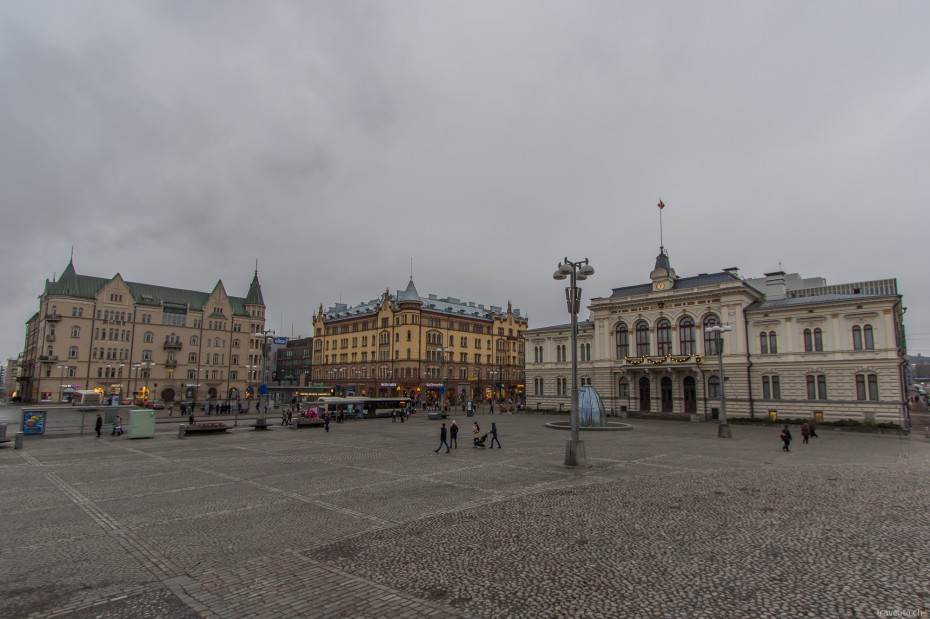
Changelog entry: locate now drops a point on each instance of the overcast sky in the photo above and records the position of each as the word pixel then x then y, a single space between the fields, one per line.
pixel 178 142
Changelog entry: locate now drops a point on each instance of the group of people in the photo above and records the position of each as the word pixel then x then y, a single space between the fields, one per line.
pixel 448 438
pixel 807 431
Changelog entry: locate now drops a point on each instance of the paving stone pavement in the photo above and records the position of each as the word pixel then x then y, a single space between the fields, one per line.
pixel 367 521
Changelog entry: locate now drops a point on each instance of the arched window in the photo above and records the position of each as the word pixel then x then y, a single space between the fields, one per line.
pixel 773 343
pixel 686 336
pixel 764 342
pixel 642 339
pixel 664 337
pixel 623 388
pixel 808 340
pixel 75 331
pixel 869 338
pixel 818 340
pixel 623 341
pixel 194 340
pixel 710 337
pixel 857 337
pixel 148 337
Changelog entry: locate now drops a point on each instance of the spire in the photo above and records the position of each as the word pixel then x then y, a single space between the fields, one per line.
pixel 409 295
pixel 67 284
pixel 255 291
pixel 662 261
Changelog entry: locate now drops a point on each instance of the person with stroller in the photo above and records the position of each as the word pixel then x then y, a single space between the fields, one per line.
pixel 494 437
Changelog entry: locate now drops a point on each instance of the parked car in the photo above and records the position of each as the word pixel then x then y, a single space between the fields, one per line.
pixel 159 405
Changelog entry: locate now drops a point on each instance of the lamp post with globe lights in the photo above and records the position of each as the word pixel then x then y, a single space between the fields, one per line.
pixel 576 271
pixel 723 430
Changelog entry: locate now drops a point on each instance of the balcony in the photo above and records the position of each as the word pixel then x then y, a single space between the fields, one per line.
pixel 50 337
pixel 53 317
pixel 48 359
pixel 171 363
pixel 172 345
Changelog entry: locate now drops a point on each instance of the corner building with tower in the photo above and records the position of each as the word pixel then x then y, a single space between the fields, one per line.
pixel 405 345
pixel 798 348
pixel 121 338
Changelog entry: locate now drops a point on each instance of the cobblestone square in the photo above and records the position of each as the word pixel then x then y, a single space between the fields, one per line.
pixel 367 521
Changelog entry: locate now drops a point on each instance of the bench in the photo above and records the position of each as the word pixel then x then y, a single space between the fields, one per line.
pixel 307 423
pixel 260 424
pixel 206 428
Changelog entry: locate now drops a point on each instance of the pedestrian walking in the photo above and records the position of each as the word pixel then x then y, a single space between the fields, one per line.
pixel 326 421
pixel 785 438
pixel 442 439
pixel 475 429
pixel 805 432
pixel 494 436
pixel 813 429
pixel 453 435
pixel 393 416
pixel 98 424
pixel 118 426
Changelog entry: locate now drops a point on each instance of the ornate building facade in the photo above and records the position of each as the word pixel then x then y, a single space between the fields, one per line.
pixel 797 348
pixel 410 346
pixel 122 338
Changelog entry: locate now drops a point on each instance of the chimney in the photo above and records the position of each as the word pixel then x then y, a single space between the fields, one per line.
pixel 775 286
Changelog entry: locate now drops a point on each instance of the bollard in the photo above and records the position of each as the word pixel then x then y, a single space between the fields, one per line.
pixel 927 431
pixel 2 430
pixel 18 441
pixel 182 430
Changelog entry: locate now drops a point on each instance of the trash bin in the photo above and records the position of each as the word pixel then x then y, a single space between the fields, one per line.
pixel 182 430
pixel 18 441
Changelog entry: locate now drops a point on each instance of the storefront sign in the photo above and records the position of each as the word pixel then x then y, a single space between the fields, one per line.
pixel 433 385
pixel 388 384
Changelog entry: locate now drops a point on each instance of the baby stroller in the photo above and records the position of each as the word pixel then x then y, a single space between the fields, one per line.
pixel 479 442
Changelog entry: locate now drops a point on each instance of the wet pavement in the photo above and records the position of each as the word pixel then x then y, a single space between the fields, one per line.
pixel 367 521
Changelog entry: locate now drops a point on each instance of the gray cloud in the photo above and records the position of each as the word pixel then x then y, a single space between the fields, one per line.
pixel 333 141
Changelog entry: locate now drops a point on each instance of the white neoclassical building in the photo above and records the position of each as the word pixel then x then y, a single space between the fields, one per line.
pixel 797 348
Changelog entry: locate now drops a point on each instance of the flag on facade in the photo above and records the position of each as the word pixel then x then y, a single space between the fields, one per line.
pixel 661 204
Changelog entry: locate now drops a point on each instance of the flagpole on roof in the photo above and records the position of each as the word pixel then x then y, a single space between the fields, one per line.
pixel 661 206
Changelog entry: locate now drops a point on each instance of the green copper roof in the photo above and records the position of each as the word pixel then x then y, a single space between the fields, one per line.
pixel 70 284
pixel 255 292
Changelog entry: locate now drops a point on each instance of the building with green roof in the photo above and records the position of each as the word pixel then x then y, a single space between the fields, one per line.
pixel 129 340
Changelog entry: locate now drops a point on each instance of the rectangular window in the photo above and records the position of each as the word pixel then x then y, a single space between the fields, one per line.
pixel 776 388
pixel 860 387
pixel 873 386
pixel 766 388
pixel 811 387
pixel 821 387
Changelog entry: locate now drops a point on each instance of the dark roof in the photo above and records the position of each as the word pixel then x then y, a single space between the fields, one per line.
pixel 410 295
pixel 705 279
pixel 582 324
pixel 815 300
pixel 255 292
pixel 70 284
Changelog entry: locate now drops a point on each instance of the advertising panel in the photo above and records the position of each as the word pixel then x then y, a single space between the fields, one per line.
pixel 34 421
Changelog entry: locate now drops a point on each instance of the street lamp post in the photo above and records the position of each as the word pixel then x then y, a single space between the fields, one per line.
pixel 577 271
pixel 61 380
pixel 723 430
pixel 442 371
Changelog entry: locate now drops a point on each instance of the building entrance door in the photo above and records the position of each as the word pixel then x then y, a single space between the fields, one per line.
pixel 690 394
pixel 665 390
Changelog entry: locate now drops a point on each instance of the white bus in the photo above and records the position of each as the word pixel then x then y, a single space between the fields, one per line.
pixel 362 408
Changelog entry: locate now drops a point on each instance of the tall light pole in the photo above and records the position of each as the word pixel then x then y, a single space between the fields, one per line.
pixel 61 381
pixel 723 430
pixel 442 371
pixel 577 271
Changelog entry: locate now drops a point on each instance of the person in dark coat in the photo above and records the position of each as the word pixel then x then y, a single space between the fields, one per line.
pixel 494 436
pixel 785 438
pixel 98 425
pixel 453 435
pixel 805 432
pixel 442 439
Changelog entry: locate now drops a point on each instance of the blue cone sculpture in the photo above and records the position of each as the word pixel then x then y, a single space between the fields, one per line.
pixel 591 413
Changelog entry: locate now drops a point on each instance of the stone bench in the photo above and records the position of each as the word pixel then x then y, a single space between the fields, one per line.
pixel 206 428
pixel 308 423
